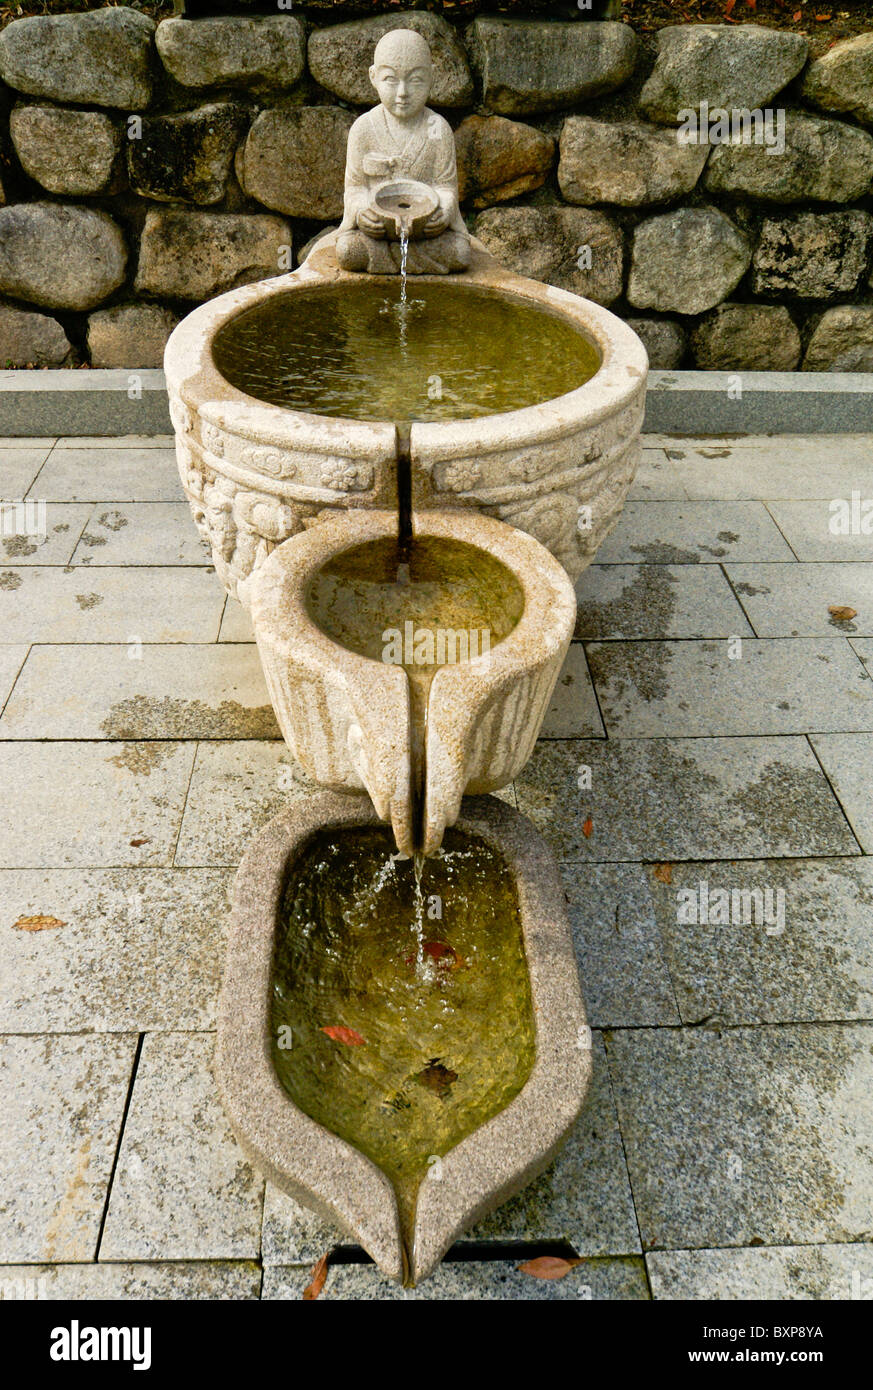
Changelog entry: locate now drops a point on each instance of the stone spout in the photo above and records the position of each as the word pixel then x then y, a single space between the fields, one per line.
pixel 355 723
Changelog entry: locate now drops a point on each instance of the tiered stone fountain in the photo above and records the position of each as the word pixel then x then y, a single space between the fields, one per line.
pixel 400 480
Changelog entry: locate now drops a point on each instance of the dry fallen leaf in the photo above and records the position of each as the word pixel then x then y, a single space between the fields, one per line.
pixel 316 1278
pixel 841 613
pixel 142 840
pixel 663 873
pixel 549 1267
pixel 344 1035
pixel 37 923
pixel 587 827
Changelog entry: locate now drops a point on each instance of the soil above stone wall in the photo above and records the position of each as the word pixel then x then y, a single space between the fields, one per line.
pixel 146 167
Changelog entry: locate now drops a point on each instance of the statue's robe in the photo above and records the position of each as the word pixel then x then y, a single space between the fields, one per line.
pixel 379 151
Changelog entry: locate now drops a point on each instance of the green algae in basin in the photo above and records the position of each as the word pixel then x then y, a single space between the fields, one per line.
pixel 398 1029
pixel 458 351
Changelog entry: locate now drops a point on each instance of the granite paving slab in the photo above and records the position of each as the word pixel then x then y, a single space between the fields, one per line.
pixel 173 691
pixel 747 1136
pixel 657 601
pixel 692 533
pixel 236 625
pixel 573 711
pixel 235 789
pixel 61 1106
pixel 32 536
pixel 664 799
pixel 75 804
pixel 19 466
pixel 141 533
pixel 813 529
pixel 623 1279
pixel 182 1188
pixel 848 761
pixel 656 478
pixel 775 686
pixel 108 474
pixel 821 1273
pixel 783 466
pixel 622 969
pixel 12 657
pixel 184 1279
pixel 130 949
pixel 794 600
pixel 769 941
pixel 43 604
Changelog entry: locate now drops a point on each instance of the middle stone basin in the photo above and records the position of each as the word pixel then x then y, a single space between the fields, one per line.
pixel 390 688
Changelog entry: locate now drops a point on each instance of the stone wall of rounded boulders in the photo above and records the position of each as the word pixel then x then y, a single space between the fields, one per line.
pixel 146 167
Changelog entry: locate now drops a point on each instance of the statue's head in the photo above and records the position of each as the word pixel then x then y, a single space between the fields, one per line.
pixel 402 72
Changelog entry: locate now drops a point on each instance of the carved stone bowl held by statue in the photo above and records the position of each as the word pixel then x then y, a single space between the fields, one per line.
pixel 405 203
pixel 257 473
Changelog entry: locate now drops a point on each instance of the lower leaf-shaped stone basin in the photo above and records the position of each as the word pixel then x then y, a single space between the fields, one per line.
pixel 400 1063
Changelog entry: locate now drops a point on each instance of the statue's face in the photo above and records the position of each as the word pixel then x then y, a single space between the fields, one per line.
pixel 403 86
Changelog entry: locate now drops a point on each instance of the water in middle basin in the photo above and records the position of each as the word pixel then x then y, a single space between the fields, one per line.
pixel 453 352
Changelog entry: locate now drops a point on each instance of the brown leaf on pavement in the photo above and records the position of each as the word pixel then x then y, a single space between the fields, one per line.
pixel 316 1278
pixel 549 1267
pixel 37 923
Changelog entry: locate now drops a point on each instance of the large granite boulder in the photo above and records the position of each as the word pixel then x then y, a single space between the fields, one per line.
pixel 31 340
pixel 747 338
pixel 187 157
pixel 686 261
pixel 195 255
pixel 60 255
pixel 573 248
pixel 100 58
pixel 823 161
pixel 842 79
pixel 842 341
pixel 625 162
pixel 500 159
pixel 526 66
pixel 727 66
pixel 130 335
pixel 340 57
pixel 261 54
pixel 294 161
pixel 663 339
pixel 67 151
pixel 813 255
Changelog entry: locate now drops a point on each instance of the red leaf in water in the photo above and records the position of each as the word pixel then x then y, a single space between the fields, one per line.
pixel 343 1035
pixel 728 9
pixel 587 827
pixel 441 951
pixel 316 1278
pixel 548 1267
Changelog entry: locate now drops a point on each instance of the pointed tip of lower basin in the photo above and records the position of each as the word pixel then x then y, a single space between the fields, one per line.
pixel 325 1172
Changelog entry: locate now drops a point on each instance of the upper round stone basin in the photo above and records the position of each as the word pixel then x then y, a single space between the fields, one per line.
pixel 257 471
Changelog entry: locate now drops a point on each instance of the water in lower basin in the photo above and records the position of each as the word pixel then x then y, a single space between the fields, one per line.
pixel 401 1012
pixel 455 352
pixel 420 604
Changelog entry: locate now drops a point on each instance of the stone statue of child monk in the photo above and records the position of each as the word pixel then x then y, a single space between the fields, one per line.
pixel 401 138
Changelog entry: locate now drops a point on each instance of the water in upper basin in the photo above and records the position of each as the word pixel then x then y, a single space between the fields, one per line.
pixel 454 352
pixel 401 1011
